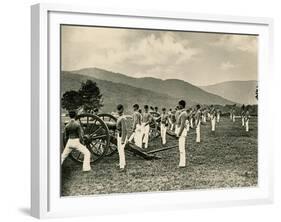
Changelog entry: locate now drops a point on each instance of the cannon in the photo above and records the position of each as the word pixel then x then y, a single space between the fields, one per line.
pixel 100 138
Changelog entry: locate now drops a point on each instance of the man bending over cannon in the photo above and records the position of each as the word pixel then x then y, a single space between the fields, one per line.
pixel 122 136
pixel 182 132
pixel 73 135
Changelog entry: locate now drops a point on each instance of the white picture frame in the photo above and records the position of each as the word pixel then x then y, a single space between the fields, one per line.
pixel 45 181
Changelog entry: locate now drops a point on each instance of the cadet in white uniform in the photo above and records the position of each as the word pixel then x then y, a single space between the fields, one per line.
pixel 137 129
pixel 182 133
pixel 164 125
pixel 218 115
pixel 73 135
pixel 247 118
pixel 213 118
pixel 122 132
pixel 198 123
pixel 146 120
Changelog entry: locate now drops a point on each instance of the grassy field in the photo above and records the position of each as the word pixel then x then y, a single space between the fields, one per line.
pixel 227 158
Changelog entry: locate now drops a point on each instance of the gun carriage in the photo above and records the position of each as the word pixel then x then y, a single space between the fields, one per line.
pixel 99 136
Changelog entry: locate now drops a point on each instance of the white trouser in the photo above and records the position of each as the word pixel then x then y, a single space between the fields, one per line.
pixel 121 152
pixel 191 122
pixel 163 130
pixel 75 144
pixel 145 135
pixel 247 125
pixel 213 124
pixel 230 116
pixel 243 121
pixel 176 129
pixel 182 140
pixel 132 137
pixel 218 118
pixel 198 133
pixel 172 126
pixel 204 119
pixel 233 118
pixel 187 126
pixel 138 135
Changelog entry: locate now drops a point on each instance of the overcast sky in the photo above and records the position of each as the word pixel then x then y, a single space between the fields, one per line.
pixel 198 58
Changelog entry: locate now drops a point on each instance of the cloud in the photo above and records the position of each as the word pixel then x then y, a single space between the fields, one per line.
pixel 198 58
pixel 227 66
pixel 244 43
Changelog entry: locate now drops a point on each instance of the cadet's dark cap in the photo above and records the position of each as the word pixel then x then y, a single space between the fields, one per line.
pixel 146 106
pixel 72 113
pixel 182 103
pixel 120 107
pixel 136 106
pixel 164 109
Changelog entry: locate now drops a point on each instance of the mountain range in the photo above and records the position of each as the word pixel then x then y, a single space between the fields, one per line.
pixel 119 88
pixel 242 92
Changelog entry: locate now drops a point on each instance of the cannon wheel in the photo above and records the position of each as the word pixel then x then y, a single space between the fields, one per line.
pixel 96 137
pixel 110 121
pixel 154 131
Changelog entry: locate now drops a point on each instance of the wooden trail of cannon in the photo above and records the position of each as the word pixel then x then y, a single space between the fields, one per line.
pixel 135 149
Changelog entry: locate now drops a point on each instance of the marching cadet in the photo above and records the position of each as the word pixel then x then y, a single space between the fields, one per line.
pixel 164 125
pixel 204 114
pixel 73 135
pixel 146 120
pixel 218 115
pixel 247 118
pixel 197 122
pixel 137 129
pixel 213 118
pixel 121 137
pixel 182 132
pixel 243 114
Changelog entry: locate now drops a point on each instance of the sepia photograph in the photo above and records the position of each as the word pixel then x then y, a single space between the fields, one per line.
pixel 146 110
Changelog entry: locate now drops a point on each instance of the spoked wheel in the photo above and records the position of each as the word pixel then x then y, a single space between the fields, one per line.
pixel 96 137
pixel 110 121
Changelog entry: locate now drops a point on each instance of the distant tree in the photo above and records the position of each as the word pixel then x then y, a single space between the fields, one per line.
pixel 71 100
pixel 257 92
pixel 91 96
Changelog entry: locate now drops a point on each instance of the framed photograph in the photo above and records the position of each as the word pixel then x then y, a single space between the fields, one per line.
pixel 143 111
